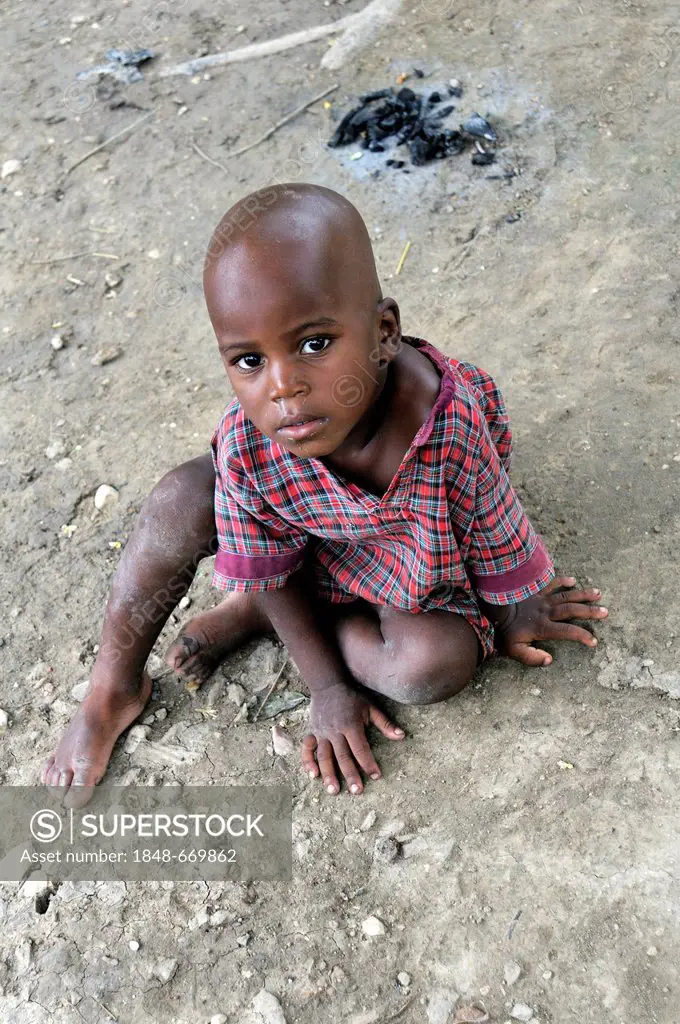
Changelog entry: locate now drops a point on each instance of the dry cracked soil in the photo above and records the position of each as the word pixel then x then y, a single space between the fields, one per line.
pixel 534 817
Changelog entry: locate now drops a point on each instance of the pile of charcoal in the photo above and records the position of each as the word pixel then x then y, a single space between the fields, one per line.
pixel 415 121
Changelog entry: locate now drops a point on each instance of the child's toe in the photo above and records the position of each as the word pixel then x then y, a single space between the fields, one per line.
pixel 46 769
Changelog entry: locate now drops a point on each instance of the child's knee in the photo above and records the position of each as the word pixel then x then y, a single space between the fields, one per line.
pixel 183 501
pixel 430 676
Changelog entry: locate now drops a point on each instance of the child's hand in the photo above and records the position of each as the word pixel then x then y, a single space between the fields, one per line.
pixel 337 721
pixel 543 617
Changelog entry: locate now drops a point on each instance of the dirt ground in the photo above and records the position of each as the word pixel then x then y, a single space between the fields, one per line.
pixel 536 813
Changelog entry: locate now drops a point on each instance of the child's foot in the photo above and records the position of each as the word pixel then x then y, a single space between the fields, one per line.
pixel 81 759
pixel 207 639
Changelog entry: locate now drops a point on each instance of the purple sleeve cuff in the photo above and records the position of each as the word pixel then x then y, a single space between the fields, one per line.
pixel 531 572
pixel 255 567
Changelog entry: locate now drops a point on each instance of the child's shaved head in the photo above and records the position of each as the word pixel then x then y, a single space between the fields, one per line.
pixel 316 232
pixel 294 298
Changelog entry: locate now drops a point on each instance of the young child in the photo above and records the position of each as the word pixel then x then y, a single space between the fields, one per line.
pixel 359 496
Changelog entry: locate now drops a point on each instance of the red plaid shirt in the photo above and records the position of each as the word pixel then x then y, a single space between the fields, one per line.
pixel 450 524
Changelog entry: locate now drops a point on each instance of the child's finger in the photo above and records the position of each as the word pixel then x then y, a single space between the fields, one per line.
pixel 565 631
pixel 324 755
pixel 560 583
pixel 589 594
pixel 566 610
pixel 343 755
pixel 308 758
pixel 528 655
pixel 361 749
pixel 382 722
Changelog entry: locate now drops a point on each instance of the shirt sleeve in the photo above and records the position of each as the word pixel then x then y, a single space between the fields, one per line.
pixel 257 549
pixel 492 404
pixel 506 560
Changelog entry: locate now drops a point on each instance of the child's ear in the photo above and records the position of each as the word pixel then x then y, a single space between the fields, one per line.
pixel 389 327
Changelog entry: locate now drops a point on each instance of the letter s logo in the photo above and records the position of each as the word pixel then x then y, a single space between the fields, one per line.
pixel 46 826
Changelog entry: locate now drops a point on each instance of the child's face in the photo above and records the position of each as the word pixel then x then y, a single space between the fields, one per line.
pixel 306 351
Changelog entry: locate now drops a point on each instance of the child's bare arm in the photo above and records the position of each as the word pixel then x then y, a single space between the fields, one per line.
pixel 339 714
pixel 545 617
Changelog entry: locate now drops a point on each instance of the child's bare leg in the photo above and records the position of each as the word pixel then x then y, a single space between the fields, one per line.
pixel 174 530
pixel 412 659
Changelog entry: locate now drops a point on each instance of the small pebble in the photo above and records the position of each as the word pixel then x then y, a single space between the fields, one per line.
pixel 112 281
pixel 55 450
pixel 218 1018
pixel 236 694
pixel 281 741
pixel 57 342
pixel 521 1011
pixel 4 719
pixel 269 1008
pixel 369 821
pixel 243 940
pixel 440 1005
pixel 547 975
pixel 33 889
pixel 535 692
pixel 647 663
pixel 652 951
pixel 185 602
pixel 469 1013
pixel 404 979
pixel 105 497
pixel 79 690
pixel 135 736
pixel 161 714
pixel 134 945
pixel 512 972
pixel 106 355
pixel 373 927
pixel 10 167
pixel 165 970
pixel 153 254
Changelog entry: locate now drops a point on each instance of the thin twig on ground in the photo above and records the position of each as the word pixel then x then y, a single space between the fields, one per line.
pixel 270 690
pixel 279 124
pixel 74 256
pixel 107 142
pixel 205 156
pixel 402 259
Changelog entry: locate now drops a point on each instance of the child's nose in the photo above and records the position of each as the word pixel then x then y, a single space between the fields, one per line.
pixel 286 382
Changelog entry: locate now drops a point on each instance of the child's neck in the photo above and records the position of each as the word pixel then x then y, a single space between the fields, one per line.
pixel 373 456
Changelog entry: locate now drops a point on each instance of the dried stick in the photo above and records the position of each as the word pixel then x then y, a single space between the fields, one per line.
pixel 73 256
pixel 308 35
pixel 402 258
pixel 118 135
pixel 270 690
pixel 279 124
pixel 205 156
pixel 374 12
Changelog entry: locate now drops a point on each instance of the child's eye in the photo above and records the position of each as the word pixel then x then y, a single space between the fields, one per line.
pixel 250 361
pixel 316 344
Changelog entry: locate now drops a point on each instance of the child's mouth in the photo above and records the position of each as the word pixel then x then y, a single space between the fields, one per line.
pixel 302 427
